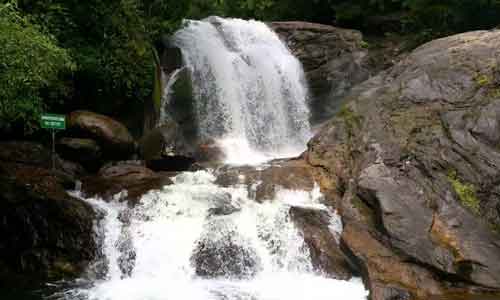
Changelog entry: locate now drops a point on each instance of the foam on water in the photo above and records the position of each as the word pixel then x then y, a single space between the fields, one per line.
pixel 165 227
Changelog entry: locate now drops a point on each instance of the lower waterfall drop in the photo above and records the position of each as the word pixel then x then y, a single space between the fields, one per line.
pixel 195 240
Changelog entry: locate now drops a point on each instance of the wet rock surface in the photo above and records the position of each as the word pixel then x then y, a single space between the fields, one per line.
pixel 166 149
pixel 129 177
pixel 31 154
pixel 114 138
pixel 334 60
pixel 413 163
pixel 222 252
pixel 265 181
pixel 84 151
pixel 47 235
pixel 324 247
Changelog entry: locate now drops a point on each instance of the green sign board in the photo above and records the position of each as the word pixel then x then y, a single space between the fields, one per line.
pixel 53 121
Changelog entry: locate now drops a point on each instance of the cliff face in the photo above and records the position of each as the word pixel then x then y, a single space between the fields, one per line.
pixel 334 60
pixel 413 160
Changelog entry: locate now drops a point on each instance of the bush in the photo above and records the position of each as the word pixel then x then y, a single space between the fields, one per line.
pixel 32 68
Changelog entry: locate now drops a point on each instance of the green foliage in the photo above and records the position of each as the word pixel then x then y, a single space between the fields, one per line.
pixel 267 10
pixel 111 42
pixel 32 67
pixel 427 18
pixel 466 192
pixel 352 121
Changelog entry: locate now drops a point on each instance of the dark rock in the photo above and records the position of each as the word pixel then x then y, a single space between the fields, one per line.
pixel 166 149
pixel 47 235
pixel 414 160
pixel 125 169
pixel 84 151
pixel 222 252
pixel 171 56
pixel 389 293
pixel 222 205
pixel 324 248
pixel 334 61
pixel 25 153
pixel 22 153
pixel 131 177
pixel 113 137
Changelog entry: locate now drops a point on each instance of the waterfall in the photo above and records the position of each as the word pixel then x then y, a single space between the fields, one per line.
pixel 168 81
pixel 163 248
pixel 197 240
pixel 249 90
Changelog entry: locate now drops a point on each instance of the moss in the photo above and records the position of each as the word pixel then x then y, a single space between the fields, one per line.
pixel 495 93
pixel 364 210
pixel 495 227
pixel 482 80
pixel 465 191
pixel 351 120
pixel 365 45
pixel 157 88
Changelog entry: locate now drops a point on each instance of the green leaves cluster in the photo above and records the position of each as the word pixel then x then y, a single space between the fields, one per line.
pixel 95 54
pixel 32 70
pixel 268 10
pixel 466 193
pixel 111 42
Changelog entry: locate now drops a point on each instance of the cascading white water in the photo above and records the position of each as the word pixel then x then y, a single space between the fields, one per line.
pixel 162 236
pixel 249 89
pixel 196 240
pixel 168 81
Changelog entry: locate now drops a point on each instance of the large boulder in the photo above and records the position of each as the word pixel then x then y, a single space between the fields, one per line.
pixel 166 149
pixel 222 252
pixel 47 235
pixel 129 177
pixel 334 60
pixel 84 151
pixel 414 162
pixel 113 137
pixel 34 154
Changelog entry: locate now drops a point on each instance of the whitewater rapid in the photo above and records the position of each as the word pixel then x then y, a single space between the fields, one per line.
pixel 149 249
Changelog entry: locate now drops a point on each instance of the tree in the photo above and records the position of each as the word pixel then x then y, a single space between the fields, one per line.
pixel 32 70
pixel 111 42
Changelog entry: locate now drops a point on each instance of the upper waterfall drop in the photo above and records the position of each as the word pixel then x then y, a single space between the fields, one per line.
pixel 249 90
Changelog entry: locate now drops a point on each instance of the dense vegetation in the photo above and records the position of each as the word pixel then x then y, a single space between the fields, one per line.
pixel 61 54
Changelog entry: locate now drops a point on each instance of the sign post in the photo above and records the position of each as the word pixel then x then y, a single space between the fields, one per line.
pixel 53 122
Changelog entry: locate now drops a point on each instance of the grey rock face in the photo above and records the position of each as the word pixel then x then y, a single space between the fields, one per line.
pixel 415 160
pixel 333 59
